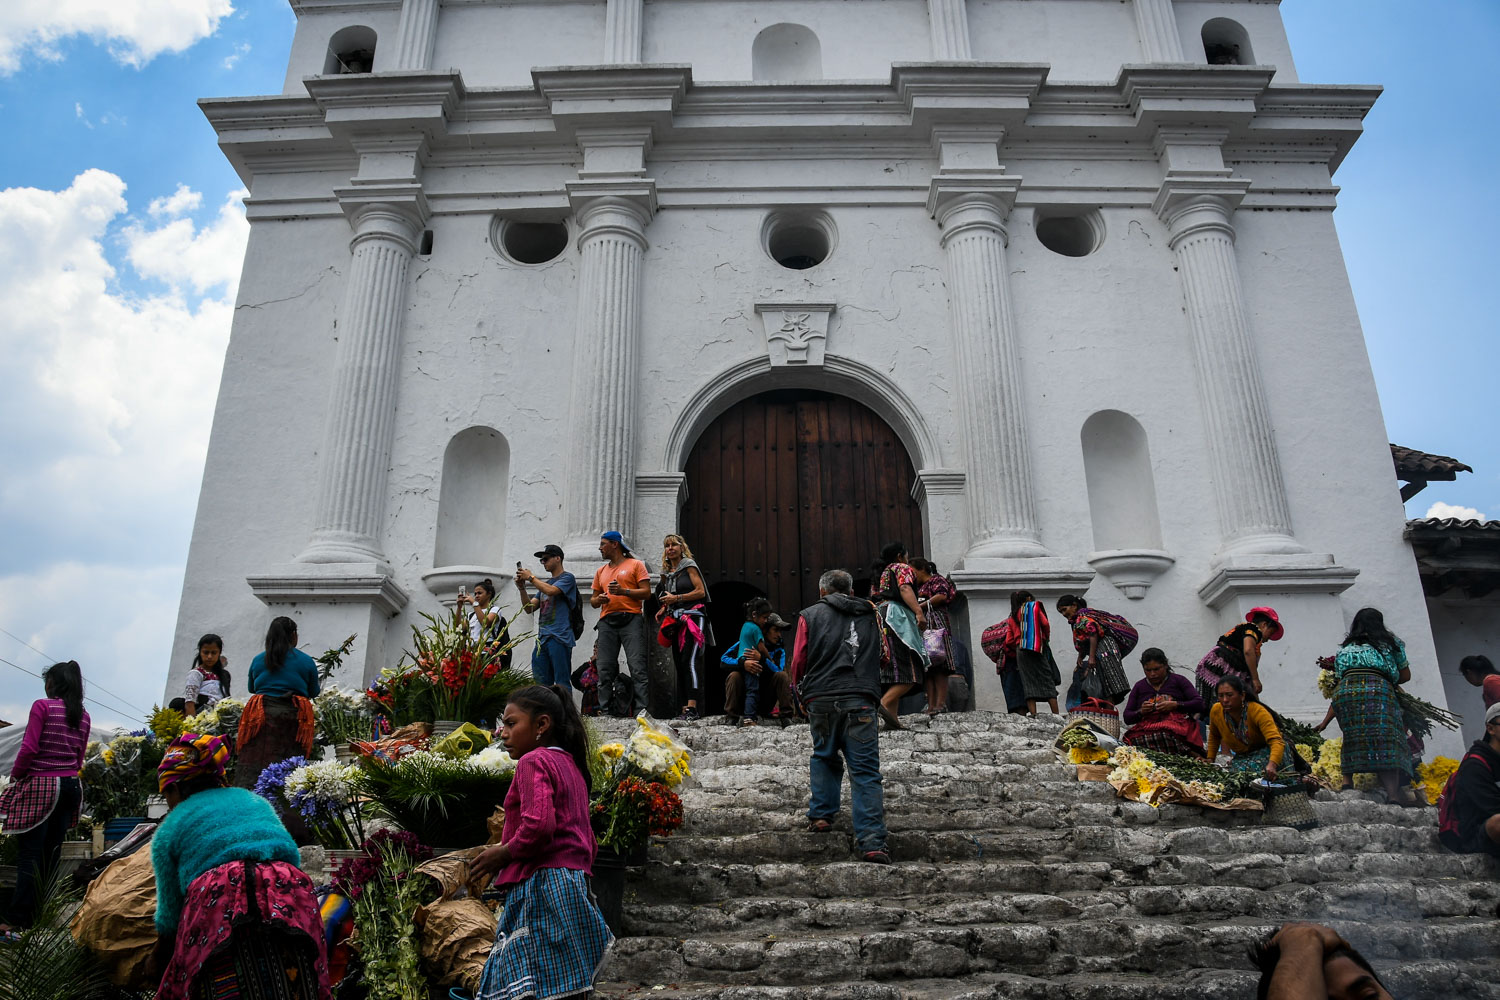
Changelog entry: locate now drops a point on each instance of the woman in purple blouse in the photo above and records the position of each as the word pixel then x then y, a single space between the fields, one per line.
pixel 1163 709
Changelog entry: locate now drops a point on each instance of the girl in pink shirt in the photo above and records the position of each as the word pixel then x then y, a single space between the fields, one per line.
pixel 552 938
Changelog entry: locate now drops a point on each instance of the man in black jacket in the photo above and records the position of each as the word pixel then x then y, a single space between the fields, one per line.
pixel 836 670
pixel 1477 791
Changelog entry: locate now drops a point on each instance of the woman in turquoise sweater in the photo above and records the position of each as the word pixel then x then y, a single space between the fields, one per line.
pixel 278 720
pixel 239 918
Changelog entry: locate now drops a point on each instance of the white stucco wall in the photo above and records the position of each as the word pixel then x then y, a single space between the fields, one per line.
pixel 1460 628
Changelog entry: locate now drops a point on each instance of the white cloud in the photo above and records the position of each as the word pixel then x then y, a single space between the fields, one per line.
pixel 240 51
pixel 179 202
pixel 1445 510
pixel 106 397
pixel 135 31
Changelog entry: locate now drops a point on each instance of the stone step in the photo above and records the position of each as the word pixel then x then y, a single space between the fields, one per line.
pixel 717 881
pixel 759 915
pixel 1116 844
pixel 1042 948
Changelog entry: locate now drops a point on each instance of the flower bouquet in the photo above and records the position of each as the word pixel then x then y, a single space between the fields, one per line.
pixel 1154 777
pixel 119 775
pixel 636 800
pixel 385 897
pixel 343 716
pixel 222 719
pixel 326 794
pixel 444 800
pixel 447 676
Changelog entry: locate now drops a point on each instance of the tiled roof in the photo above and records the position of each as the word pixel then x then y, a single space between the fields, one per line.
pixel 1456 555
pixel 1450 524
pixel 1419 465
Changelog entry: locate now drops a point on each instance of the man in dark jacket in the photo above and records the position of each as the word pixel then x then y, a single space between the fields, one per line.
pixel 836 670
pixel 1477 790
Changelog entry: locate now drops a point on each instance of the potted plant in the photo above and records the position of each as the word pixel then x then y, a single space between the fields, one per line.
pixel 445 800
pixel 446 679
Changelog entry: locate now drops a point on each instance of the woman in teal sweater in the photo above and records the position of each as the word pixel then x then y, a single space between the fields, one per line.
pixel 237 914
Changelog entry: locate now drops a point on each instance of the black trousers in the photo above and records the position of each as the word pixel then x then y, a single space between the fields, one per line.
pixel 38 852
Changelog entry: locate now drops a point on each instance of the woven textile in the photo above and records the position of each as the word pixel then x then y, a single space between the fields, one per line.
pixel 1037 676
pixel 27 802
pixel 1169 733
pixel 1255 760
pixel 908 662
pixel 264 917
pixel 551 941
pixel 1370 717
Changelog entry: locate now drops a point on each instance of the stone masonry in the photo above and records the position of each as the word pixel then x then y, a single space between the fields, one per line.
pixel 1014 880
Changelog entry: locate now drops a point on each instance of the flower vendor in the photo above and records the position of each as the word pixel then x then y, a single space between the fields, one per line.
pixel 241 918
pixel 1369 665
pixel 551 939
pixel 1163 709
pixel 1245 728
pixel 278 721
pixel 1238 652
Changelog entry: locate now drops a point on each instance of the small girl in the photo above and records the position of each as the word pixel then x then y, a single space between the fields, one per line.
pixel 208 681
pixel 753 649
pixel 552 938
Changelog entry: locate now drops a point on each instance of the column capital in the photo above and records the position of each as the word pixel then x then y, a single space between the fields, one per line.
pixel 623 206
pixel 396 212
pixel 1194 204
pixel 967 201
pixel 938 482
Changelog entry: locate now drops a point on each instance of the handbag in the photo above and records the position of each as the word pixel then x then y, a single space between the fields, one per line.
pixel 936 642
pixel 1288 805
pixel 1101 713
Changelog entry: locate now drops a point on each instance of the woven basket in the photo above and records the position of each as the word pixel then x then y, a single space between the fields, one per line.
pixel 1289 805
pixel 1094 711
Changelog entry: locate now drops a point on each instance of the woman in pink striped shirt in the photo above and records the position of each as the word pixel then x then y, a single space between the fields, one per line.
pixel 552 938
pixel 44 796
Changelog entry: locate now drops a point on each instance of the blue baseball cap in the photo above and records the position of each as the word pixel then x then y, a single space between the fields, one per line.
pixel 617 538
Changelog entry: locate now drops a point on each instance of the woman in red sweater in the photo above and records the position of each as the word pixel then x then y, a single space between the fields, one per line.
pixel 44 796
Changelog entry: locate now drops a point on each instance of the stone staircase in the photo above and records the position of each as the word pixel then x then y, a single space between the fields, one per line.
pixel 1014 880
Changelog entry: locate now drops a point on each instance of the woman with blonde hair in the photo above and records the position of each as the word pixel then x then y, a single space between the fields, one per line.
pixel 683 619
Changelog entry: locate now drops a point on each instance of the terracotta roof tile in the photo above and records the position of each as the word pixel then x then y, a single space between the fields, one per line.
pixel 1413 465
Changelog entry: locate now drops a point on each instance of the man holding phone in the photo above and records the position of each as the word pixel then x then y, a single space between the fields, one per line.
pixel 551 660
pixel 620 585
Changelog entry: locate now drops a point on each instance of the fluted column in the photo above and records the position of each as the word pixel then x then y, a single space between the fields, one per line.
pixel 601 456
pixel 622 31
pixel 362 398
pixel 416 34
pixel 1252 506
pixel 1002 512
pixel 1157 26
pixel 949 22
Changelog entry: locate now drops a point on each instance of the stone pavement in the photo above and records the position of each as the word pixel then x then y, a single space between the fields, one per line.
pixel 1014 880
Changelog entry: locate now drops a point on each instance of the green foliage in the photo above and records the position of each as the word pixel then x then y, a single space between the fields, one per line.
pixel 47 963
pixel 333 658
pixel 444 801
pixel 1185 769
pixel 385 915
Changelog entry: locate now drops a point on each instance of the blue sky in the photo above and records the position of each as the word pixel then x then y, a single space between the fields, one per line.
pixel 120 236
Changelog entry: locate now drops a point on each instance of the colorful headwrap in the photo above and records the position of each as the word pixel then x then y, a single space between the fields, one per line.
pixel 192 756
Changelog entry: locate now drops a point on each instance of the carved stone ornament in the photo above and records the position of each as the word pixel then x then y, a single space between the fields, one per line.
pixel 796 332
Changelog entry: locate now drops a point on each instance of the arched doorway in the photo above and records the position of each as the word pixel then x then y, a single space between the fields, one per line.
pixel 787 484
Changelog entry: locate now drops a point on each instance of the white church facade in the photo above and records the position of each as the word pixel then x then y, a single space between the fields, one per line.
pixel 1050 289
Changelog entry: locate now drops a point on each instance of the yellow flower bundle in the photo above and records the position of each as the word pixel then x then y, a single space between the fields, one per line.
pixel 1434 774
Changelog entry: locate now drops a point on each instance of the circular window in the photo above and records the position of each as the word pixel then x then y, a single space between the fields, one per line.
pixel 529 242
pixel 798 239
pixel 1072 235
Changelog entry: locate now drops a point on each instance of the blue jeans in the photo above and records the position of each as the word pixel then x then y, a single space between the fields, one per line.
pixel 848 725
pixel 552 662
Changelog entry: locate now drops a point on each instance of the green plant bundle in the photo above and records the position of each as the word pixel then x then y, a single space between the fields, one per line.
pixel 385 915
pixel 1236 784
pixel 444 801
pixel 333 658
pixel 1419 715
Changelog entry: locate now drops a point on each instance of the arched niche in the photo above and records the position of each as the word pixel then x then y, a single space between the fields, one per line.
pixel 785 53
pixel 472 500
pixel 350 50
pixel 1226 43
pixel 1122 502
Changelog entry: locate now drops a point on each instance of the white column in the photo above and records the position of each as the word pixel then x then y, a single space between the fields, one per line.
pixel 1157 26
pixel 416 34
pixel 601 456
pixel 949 21
pixel 1253 514
pixel 1002 513
pixel 622 31
pixel 362 398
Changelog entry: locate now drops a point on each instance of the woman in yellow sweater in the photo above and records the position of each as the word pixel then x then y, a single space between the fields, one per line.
pixel 1246 729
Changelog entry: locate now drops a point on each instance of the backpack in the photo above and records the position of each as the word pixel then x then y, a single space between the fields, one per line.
pixel 575 612
pixel 1448 806
pixel 1124 633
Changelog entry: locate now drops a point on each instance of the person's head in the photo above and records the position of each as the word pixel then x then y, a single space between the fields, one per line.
pixel 775 626
pixel 835 581
pixel 65 682
pixel 538 716
pixel 1232 693
pixel 210 651
pixel 612 546
pixel 281 639
pixel 893 552
pixel 191 764
pixel 758 610
pixel 923 569
pixel 484 592
pixel 1368 629
pixel 1266 622
pixel 1476 668
pixel 674 549
pixel 1019 599
pixel 1070 604
pixel 1492 725
pixel 1346 973
pixel 551 557
pixel 1154 663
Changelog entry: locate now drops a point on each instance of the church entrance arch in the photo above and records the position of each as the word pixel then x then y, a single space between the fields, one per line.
pixel 785 485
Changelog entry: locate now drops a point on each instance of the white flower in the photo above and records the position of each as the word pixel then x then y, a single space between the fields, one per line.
pixel 325 781
pixel 492 758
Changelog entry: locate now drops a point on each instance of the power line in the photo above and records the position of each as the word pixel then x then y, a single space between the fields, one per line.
pixel 100 704
pixel 97 686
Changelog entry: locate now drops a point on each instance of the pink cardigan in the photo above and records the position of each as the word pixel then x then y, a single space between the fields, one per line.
pixel 546 817
pixel 50 748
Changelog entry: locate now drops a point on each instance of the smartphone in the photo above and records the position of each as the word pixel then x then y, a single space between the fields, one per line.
pixel 518 564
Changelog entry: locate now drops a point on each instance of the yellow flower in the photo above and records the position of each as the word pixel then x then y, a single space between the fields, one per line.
pixel 1087 755
pixel 108 755
pixel 612 751
pixel 1434 775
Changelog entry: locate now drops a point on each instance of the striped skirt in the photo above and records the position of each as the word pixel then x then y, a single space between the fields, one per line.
pixel 1168 732
pixel 1370 717
pixel 551 941
pixel 908 653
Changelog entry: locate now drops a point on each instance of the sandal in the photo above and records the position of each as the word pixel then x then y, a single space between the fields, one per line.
pixel 749 720
pixel 819 826
pixel 890 719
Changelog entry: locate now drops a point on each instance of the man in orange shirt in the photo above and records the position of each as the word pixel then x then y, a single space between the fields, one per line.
pixel 619 587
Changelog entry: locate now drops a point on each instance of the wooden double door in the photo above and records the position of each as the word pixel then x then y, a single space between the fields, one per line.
pixel 786 485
